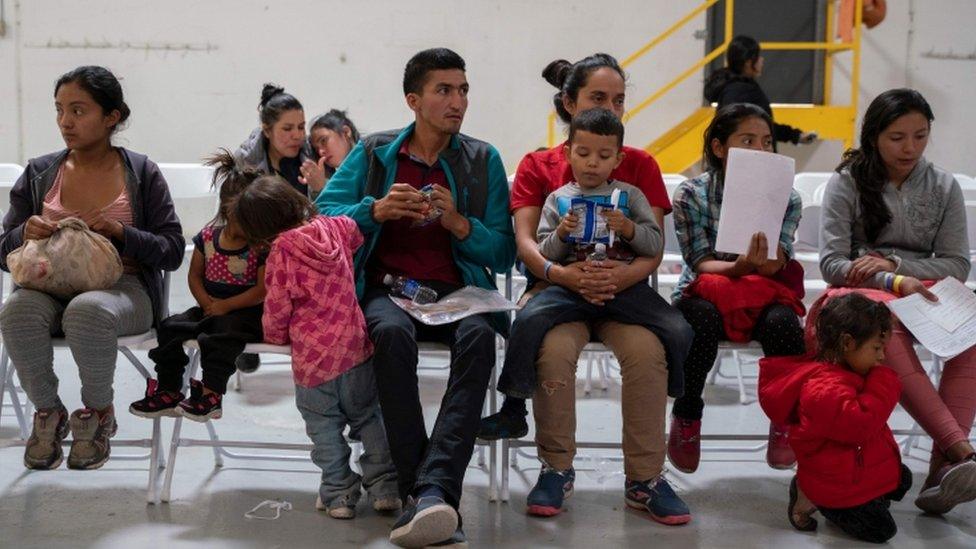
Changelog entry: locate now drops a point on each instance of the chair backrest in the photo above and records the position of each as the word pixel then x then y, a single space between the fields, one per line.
pixel 10 172
pixel 968 186
pixel 671 182
pixel 808 183
pixel 971 224
pixel 189 185
pixel 808 231
pixel 5 187
pixel 670 236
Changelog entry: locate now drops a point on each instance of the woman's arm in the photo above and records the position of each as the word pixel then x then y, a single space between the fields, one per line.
pixel 160 244
pixel 950 249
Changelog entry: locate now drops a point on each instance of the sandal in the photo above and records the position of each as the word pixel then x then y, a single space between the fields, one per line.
pixel 811 523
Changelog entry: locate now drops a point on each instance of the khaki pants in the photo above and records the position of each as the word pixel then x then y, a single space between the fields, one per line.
pixel 644 396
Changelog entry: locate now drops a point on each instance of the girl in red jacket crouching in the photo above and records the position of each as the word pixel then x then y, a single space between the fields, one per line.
pixel 837 406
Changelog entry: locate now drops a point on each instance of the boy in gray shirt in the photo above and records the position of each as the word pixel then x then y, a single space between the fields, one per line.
pixel 565 235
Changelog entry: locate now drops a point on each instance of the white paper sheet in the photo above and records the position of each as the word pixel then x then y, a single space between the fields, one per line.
pixel 946 327
pixel 757 191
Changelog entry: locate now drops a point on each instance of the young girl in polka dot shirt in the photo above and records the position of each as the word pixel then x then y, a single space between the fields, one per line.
pixel 227 280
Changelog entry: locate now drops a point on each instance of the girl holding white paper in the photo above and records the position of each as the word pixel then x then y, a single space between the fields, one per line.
pixel 891 220
pixel 751 277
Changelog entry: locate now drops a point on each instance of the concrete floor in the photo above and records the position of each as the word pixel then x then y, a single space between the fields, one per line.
pixel 736 500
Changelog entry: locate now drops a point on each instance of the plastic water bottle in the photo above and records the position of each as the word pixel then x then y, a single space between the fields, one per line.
pixel 410 289
pixel 599 252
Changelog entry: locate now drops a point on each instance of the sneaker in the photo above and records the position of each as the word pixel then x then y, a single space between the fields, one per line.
pixel 90 434
pixel 386 504
pixel 503 425
pixel 656 497
pixel 684 444
pixel 779 454
pixel 456 540
pixel 157 403
pixel 43 451
pixel 550 491
pixel 956 483
pixel 201 407
pixel 424 521
pixel 339 508
pixel 247 362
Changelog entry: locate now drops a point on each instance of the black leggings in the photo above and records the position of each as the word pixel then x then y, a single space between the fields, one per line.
pixel 871 521
pixel 777 330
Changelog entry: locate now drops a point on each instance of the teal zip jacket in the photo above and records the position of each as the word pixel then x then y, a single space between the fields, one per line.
pixel 488 249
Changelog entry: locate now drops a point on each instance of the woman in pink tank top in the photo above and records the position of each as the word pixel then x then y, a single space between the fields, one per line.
pixel 122 196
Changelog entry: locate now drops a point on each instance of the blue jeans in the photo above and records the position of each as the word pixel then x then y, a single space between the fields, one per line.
pixel 640 304
pixel 441 459
pixel 350 399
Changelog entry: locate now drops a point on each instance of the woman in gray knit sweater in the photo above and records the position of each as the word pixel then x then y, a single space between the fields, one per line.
pixel 891 220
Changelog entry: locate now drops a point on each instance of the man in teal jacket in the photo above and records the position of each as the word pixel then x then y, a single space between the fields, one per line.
pixel 379 185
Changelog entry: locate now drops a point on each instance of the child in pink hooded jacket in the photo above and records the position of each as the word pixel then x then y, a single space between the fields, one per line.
pixel 311 305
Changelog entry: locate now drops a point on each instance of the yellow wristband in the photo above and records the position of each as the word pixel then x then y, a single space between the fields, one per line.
pixel 897 285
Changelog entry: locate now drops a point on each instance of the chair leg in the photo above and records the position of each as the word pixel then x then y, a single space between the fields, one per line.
pixel 589 374
pixel 504 470
pixel 716 368
pixel 173 446
pixel 742 386
pixel 238 382
pixel 152 493
pixel 602 368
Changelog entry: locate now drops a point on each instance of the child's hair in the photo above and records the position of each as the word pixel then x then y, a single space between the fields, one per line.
pixel 230 178
pixel 726 121
pixel 268 207
pixel 851 314
pixel 598 121
pixel 336 121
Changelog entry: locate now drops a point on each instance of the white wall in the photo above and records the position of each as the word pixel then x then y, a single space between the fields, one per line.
pixel 328 53
pixel 895 54
pixel 347 54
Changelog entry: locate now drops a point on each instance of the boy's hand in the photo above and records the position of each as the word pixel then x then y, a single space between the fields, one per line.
pixel 618 223
pixel 566 226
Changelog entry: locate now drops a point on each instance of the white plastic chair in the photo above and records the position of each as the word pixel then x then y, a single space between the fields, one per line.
pixel 968 185
pixel 195 202
pixel 807 183
pixel 10 172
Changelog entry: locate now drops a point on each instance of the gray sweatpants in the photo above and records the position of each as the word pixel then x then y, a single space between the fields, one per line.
pixel 91 323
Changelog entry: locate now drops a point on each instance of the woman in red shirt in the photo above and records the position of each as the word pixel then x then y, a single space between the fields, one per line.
pixel 596 81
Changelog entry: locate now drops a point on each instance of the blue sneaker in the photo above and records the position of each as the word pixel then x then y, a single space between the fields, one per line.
pixel 552 488
pixel 657 498
pixel 424 521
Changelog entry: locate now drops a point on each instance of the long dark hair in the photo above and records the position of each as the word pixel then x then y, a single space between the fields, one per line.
pixel 102 86
pixel 336 121
pixel 268 207
pixel 726 121
pixel 851 314
pixel 568 78
pixel 230 178
pixel 742 49
pixel 865 165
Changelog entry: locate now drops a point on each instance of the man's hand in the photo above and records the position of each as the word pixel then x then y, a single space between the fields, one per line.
pixel 402 202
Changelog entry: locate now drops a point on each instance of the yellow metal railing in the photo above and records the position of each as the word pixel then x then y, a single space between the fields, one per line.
pixel 829 46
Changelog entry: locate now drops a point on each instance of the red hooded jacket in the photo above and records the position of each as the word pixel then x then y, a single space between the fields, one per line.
pixel 846 454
